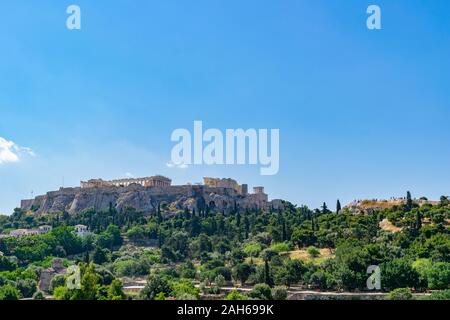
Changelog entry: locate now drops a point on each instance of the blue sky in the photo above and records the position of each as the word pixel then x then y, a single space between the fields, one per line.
pixel 362 114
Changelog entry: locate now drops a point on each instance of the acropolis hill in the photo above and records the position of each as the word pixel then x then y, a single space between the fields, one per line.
pixel 145 194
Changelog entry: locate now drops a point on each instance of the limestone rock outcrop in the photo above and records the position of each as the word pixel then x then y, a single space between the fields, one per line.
pixel 146 199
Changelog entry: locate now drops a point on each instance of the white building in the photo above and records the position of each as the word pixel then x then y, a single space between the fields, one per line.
pixel 45 229
pixel 81 230
pixel 30 232
pixel 19 233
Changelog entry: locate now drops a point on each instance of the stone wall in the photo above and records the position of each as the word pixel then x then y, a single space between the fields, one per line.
pixel 26 204
pixel 144 199
pixel 223 183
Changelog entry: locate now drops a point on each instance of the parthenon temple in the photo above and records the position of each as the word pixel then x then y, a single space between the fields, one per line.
pixel 155 181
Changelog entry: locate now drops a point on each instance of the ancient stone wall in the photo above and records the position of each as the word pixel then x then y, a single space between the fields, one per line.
pixel 258 190
pixel 224 183
pixel 144 199
pixel 222 194
pixel 26 204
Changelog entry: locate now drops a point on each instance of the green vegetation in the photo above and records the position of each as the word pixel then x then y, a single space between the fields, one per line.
pixel 188 254
pixel 440 295
pixel 235 295
pixel 313 251
pixel 400 294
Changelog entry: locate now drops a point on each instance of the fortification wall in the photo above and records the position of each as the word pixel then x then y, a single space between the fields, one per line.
pixel 144 199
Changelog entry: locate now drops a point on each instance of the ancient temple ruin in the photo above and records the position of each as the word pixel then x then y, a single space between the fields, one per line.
pixel 154 181
pixel 145 194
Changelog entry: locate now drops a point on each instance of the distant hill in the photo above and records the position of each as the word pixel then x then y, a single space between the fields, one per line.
pixel 364 206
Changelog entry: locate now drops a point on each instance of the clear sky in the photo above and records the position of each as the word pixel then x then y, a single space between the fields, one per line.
pixel 362 114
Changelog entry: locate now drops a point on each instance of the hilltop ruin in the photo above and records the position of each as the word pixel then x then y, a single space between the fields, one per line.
pixel 146 194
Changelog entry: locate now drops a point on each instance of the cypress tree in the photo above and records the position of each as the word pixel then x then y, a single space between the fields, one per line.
pixel 158 214
pixel 238 219
pixel 409 203
pixel 418 221
pixel 267 277
pixel 325 208
pixel 246 226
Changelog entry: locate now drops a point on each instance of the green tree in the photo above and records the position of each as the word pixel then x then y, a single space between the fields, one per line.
pixel 295 269
pixel 9 292
pixel 61 293
pixel 238 219
pixel 100 255
pixel 7 264
pixel 195 227
pixel 235 295
pixel 58 281
pixel 159 217
pixel 156 284
pixel 115 232
pixel 243 271
pixel 136 233
pixel 318 280
pixel 105 240
pixel 110 237
pixel 325 208
pixel 313 252
pixel 440 295
pixel 115 291
pixel 444 201
pixel 27 287
pixel 348 269
pixel 400 294
pixel 67 239
pixel 303 237
pixel 184 289
pixel 279 293
pixel 188 270
pixel 439 276
pixel 178 243
pixel 338 206
pixel 89 284
pixel 399 273
pixel 409 202
pixel 160 297
pixel 267 255
pixel 418 225
pixel 437 247
pixel 261 291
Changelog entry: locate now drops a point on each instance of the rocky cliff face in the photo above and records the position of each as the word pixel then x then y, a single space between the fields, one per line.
pixel 144 199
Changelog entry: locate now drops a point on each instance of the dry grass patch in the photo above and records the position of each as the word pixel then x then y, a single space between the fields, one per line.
pixel 254 260
pixel 303 255
pixel 388 226
pixel 382 204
